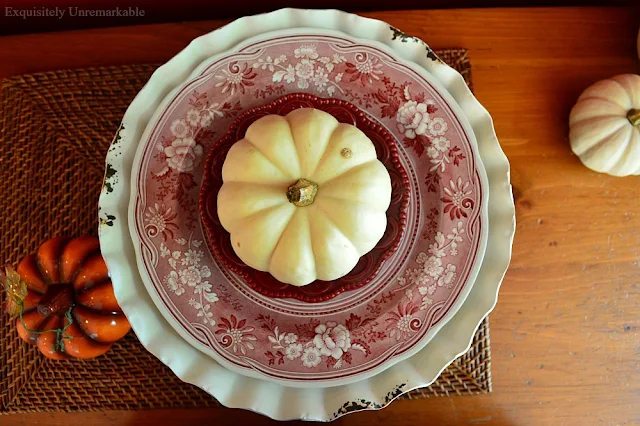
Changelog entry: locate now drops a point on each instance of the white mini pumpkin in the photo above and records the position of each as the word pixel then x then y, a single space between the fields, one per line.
pixel 303 196
pixel 605 126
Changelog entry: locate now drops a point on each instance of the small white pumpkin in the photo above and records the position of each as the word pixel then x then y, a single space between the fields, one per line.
pixel 303 196
pixel 605 126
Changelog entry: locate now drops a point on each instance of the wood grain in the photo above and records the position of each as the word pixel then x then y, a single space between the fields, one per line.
pixel 161 11
pixel 565 332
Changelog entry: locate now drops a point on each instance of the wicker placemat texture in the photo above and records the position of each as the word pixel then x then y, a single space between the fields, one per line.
pixel 55 129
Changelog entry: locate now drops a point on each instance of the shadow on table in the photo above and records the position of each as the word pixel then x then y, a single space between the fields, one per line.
pixel 465 410
pixel 444 411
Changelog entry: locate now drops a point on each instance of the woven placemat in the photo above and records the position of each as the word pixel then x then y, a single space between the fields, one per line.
pixel 55 129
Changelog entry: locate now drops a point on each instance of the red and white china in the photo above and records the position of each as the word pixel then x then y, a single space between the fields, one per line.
pixel 335 347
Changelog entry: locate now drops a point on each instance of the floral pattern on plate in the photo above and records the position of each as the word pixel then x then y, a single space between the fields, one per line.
pixel 358 331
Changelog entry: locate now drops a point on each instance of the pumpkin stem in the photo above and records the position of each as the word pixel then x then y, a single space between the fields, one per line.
pixel 302 193
pixel 57 298
pixel 61 334
pixel 634 116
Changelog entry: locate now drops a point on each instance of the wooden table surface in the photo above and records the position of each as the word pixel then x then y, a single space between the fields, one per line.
pixel 565 332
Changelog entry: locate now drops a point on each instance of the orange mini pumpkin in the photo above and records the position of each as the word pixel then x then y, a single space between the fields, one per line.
pixel 69 288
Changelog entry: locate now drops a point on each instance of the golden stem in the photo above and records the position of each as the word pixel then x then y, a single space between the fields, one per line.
pixel 302 193
pixel 634 116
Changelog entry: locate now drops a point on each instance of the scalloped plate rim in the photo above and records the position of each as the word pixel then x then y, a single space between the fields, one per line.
pixel 477 262
pixel 154 337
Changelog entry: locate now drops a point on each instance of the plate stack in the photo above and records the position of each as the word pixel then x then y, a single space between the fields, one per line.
pixel 408 308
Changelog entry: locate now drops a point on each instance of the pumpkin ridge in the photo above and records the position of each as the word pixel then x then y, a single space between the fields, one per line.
pixel 99 311
pixel 43 323
pixel 86 274
pixel 281 145
pixel 604 140
pixel 346 172
pixel 31 300
pixel 636 136
pixel 82 330
pixel 46 342
pixel 295 148
pixel 81 334
pixel 36 291
pixel 299 221
pixel 58 256
pixel 600 140
pixel 628 147
pixel 627 90
pixel 81 263
pixel 44 276
pixel 28 267
pixel 365 214
pixel 246 182
pixel 598 117
pixel 84 333
pixel 604 86
pixel 93 285
pixel 335 225
pixel 252 196
pixel 356 202
pixel 234 224
pixel 25 334
pixel 100 297
pixel 601 98
pixel 280 237
pixel 324 151
pixel 284 172
pixel 313 252
pixel 33 338
pixel 103 314
pixel 325 154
